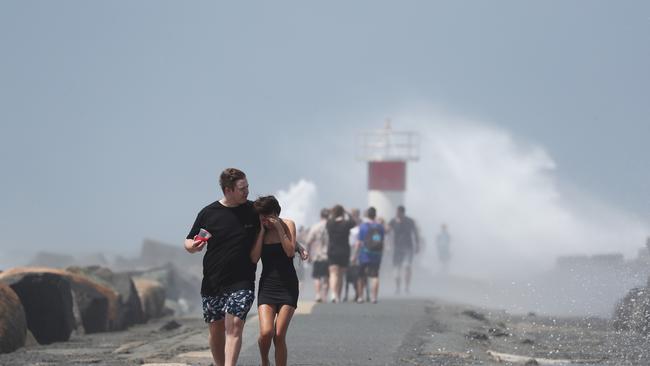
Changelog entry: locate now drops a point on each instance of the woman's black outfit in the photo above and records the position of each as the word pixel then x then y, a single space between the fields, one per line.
pixel 278 282
pixel 338 250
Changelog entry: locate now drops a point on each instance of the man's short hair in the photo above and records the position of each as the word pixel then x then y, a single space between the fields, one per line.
pixel 324 213
pixel 401 209
pixel 229 177
pixel 371 213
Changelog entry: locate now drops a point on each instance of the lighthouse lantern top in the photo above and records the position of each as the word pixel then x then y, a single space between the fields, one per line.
pixel 388 145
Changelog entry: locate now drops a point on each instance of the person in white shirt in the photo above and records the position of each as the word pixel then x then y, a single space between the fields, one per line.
pixel 317 241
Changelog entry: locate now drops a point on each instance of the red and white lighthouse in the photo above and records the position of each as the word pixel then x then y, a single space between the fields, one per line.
pixel 387 152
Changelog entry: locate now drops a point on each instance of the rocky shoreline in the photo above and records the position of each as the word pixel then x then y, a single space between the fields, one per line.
pixel 453 335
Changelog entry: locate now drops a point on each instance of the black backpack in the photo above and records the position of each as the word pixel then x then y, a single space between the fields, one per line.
pixel 374 239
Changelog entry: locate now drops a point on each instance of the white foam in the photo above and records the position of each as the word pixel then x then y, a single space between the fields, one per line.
pixel 500 197
pixel 299 202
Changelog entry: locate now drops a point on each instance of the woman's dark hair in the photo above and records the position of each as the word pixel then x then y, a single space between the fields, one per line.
pixel 337 211
pixel 267 205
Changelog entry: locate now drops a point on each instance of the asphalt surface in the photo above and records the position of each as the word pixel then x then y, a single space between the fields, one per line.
pixel 346 334
pixel 320 334
pixel 396 331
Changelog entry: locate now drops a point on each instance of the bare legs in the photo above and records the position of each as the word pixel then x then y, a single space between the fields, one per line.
pixel 321 286
pixel 217 340
pixel 398 279
pixel 234 330
pixel 225 340
pixel 274 329
pixel 280 338
pixel 361 285
pixel 407 278
pixel 336 279
pixel 266 314
pixel 374 288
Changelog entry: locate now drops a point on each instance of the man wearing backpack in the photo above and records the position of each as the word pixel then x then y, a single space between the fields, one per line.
pixel 369 248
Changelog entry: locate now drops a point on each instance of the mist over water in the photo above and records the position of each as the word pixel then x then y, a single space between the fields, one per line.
pixel 506 208
pixel 503 202
pixel 510 216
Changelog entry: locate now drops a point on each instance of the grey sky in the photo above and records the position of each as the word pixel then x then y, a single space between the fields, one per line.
pixel 116 116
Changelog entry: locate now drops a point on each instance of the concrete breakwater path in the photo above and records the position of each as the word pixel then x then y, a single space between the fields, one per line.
pixel 396 331
pixel 345 333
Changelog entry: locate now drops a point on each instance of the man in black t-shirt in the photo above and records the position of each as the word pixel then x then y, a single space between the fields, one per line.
pixel 228 283
pixel 405 243
pixel 338 251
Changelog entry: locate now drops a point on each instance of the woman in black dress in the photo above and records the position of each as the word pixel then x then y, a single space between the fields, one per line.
pixel 277 296
pixel 338 250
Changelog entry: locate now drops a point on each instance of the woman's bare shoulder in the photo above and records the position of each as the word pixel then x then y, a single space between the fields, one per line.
pixel 288 221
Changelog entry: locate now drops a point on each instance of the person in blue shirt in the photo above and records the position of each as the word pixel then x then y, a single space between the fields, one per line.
pixel 370 247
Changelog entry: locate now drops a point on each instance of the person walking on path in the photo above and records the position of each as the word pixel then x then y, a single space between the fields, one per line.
pixel 443 244
pixel 317 241
pixel 228 228
pixel 406 242
pixel 370 246
pixel 338 250
pixel 277 297
pixel 352 273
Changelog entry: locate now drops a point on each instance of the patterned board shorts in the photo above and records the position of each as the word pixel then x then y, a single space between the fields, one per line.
pixel 237 303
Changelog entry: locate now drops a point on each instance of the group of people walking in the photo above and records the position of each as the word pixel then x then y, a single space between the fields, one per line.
pixel 238 233
pixel 345 245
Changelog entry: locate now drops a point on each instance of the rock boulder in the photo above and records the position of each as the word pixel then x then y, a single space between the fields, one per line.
pixel 633 312
pixel 47 300
pixel 152 297
pixel 13 324
pixel 130 308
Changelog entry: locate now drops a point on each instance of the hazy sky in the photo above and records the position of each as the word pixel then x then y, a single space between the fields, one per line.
pixel 117 116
